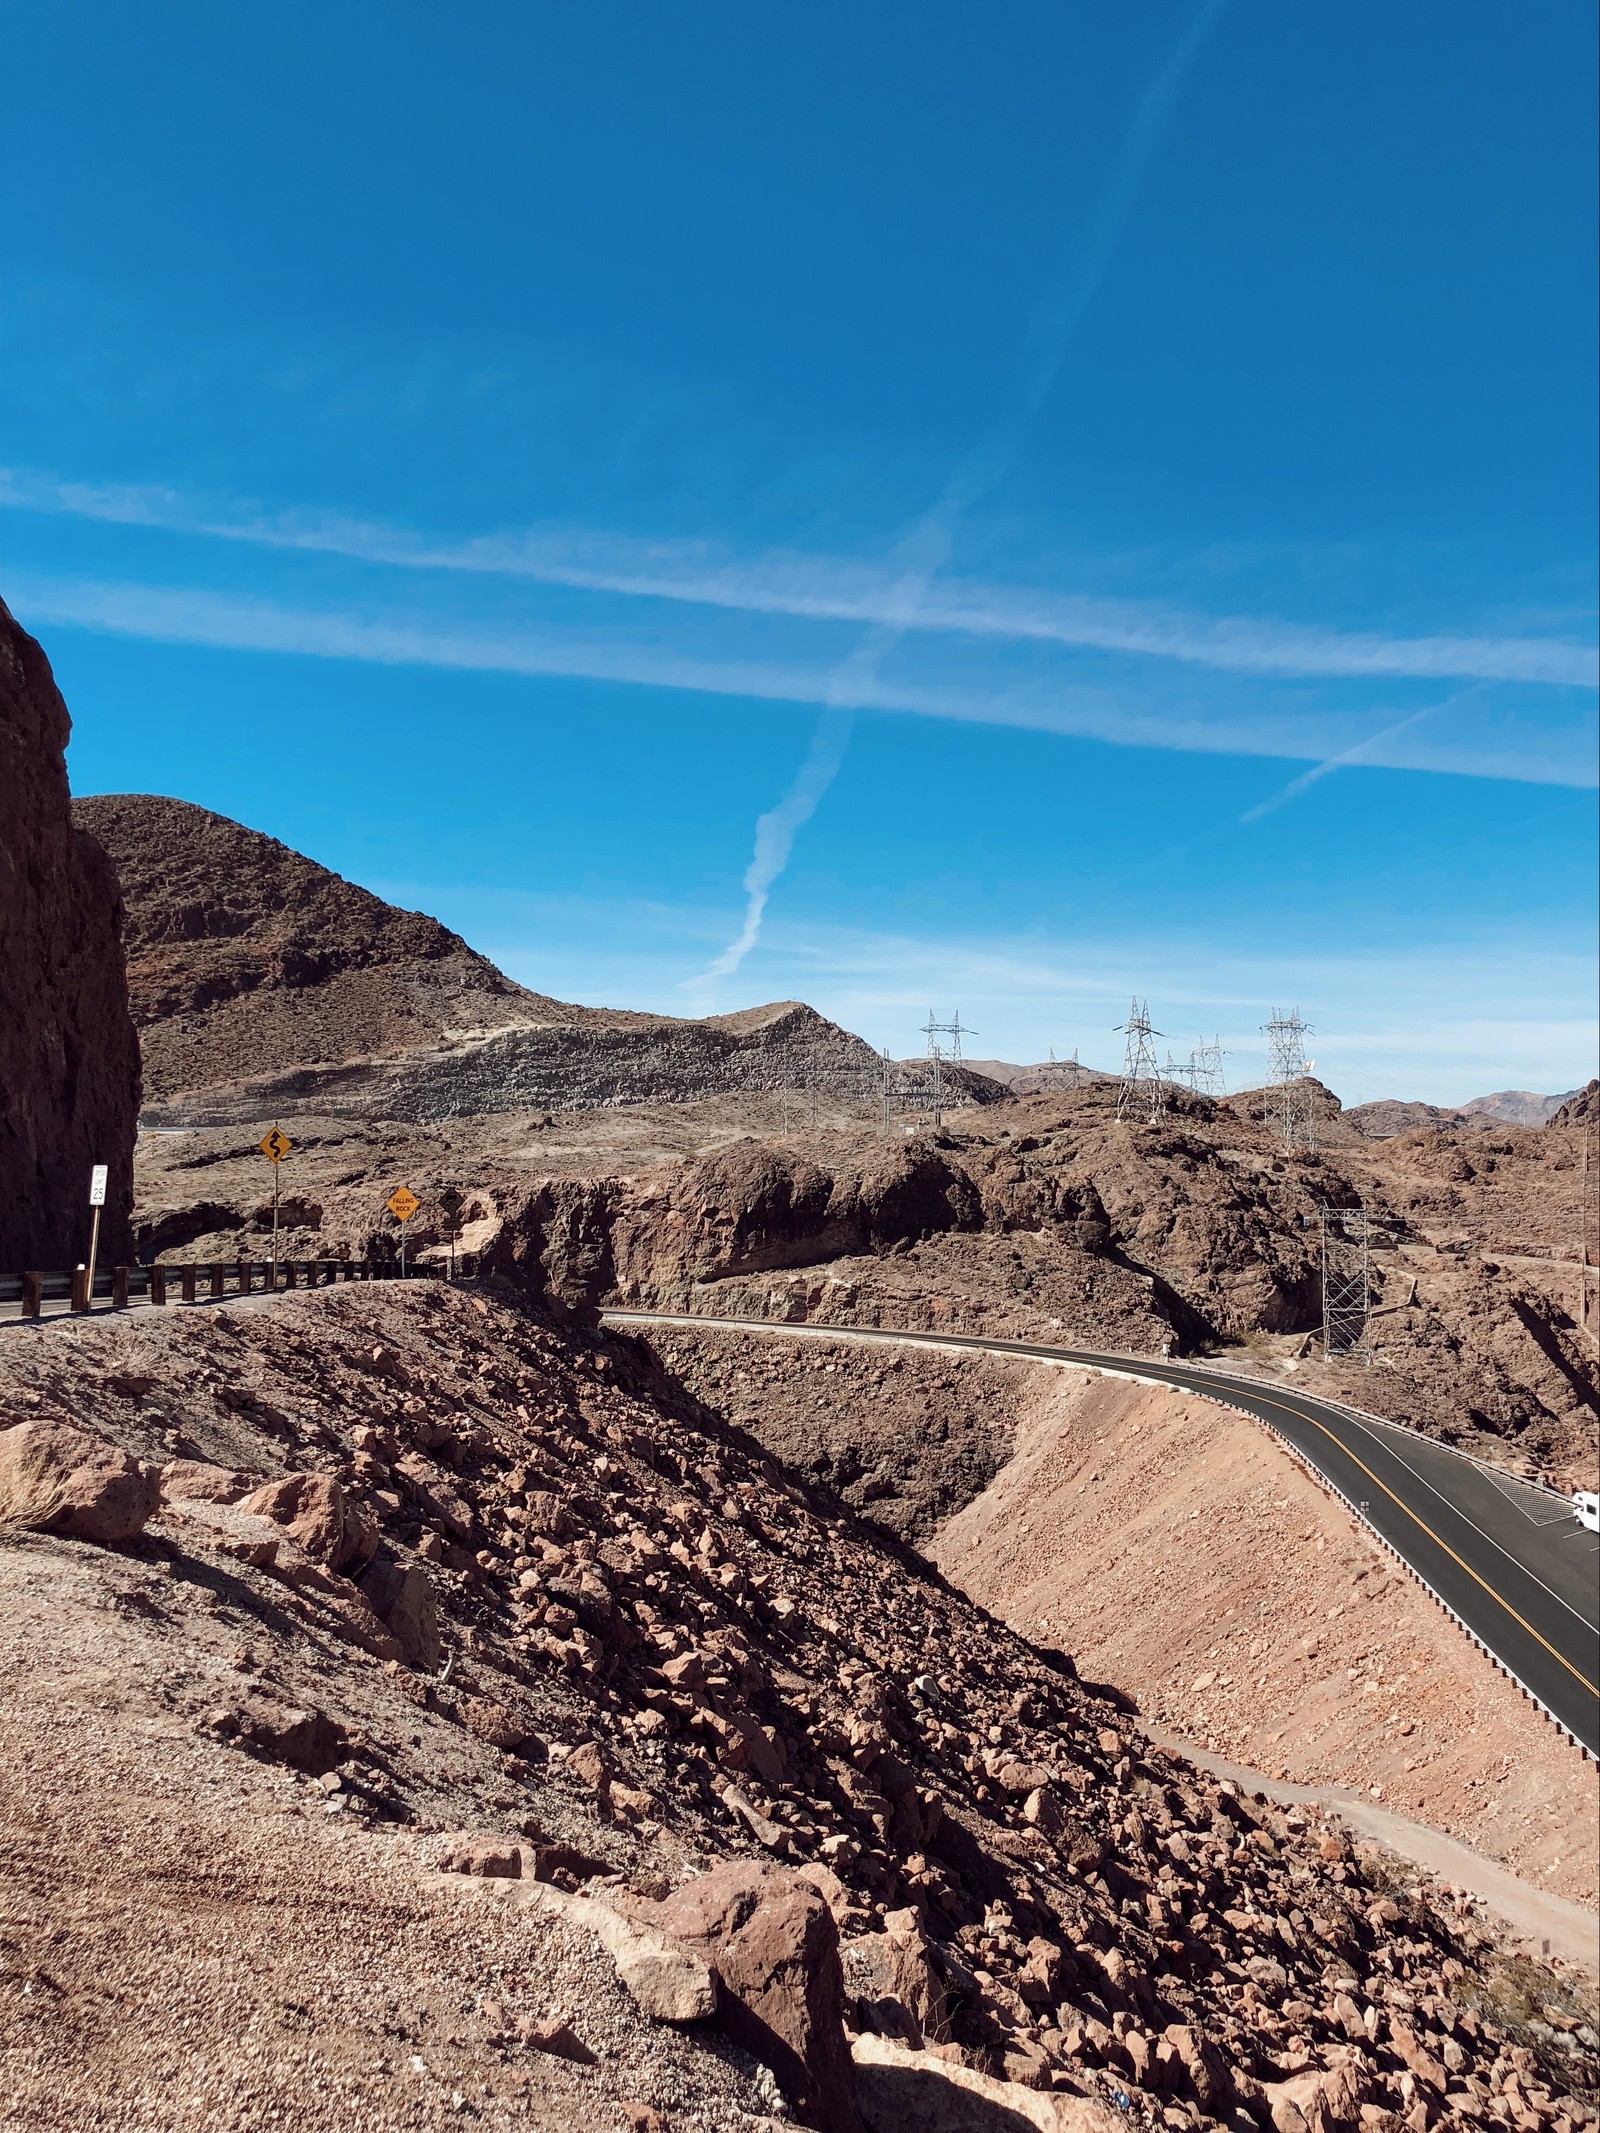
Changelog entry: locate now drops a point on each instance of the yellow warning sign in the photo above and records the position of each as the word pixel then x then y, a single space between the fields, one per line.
pixel 275 1145
pixel 402 1203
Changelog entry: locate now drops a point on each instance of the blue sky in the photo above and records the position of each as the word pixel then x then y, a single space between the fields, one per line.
pixel 990 508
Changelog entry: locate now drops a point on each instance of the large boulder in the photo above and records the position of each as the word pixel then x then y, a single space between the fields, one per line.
pixel 57 1479
pixel 403 1598
pixel 769 1939
pixel 318 1517
pixel 69 1059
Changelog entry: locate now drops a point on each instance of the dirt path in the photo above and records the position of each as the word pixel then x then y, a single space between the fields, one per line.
pixel 1551 1925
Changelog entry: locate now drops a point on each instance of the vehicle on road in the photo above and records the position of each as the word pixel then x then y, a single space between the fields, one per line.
pixel 1586 1502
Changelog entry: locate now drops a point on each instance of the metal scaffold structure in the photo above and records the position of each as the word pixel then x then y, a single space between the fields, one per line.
pixel 1290 1078
pixel 1346 1251
pixel 1143 1092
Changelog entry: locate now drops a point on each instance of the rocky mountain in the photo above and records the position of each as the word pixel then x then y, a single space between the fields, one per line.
pixel 1517 1107
pixel 484 1730
pixel 1045 1076
pixel 69 1060
pixel 265 986
pixel 1513 1107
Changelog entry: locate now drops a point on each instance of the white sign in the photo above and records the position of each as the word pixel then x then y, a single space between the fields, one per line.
pixel 97 1185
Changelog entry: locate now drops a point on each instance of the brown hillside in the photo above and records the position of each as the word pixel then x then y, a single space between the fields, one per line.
pixel 449 1720
pixel 244 956
pixel 265 985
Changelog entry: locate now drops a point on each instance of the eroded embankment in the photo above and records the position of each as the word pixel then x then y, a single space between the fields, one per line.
pixel 1175 1548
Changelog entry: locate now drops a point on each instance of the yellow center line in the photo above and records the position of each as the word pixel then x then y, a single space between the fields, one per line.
pixel 1221 1384
pixel 1286 1407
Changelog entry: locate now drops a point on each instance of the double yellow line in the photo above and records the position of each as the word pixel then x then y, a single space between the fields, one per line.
pixel 1499 1598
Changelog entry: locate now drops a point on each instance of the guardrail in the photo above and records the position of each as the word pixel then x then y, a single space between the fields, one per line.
pixel 119 1287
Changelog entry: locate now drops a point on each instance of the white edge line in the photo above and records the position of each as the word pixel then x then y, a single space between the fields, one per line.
pixel 960 1343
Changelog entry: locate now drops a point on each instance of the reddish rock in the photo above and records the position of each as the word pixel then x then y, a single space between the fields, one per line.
pixel 491 1858
pixel 318 1517
pixel 57 1479
pixel 195 1481
pixel 69 1059
pixel 769 1938
pixel 404 1601
pixel 495 1723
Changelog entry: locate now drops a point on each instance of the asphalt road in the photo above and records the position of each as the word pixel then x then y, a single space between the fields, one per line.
pixel 1509 1561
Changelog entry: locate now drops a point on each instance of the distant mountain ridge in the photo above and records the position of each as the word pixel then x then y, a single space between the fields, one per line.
pixel 263 985
pixel 1379 1120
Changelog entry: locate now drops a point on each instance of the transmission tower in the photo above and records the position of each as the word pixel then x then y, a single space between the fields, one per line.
pixel 955 1029
pixel 1289 1073
pixel 1064 1073
pixel 1346 1281
pixel 1142 1086
pixel 1205 1068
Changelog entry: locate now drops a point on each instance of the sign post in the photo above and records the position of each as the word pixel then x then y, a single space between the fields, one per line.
pixel 275 1146
pixel 452 1202
pixel 97 1200
pixel 402 1203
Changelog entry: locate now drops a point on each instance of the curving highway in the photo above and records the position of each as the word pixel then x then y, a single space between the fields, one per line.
pixel 1508 1560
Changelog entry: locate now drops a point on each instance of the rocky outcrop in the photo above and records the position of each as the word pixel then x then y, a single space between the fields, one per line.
pixel 769 1938
pixel 57 1479
pixel 69 1059
pixel 1580 1109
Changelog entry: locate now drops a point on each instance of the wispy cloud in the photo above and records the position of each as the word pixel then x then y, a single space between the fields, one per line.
pixel 926 549
pixel 379 634
pixel 824 588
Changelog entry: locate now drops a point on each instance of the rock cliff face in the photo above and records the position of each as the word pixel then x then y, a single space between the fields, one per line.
pixel 69 1058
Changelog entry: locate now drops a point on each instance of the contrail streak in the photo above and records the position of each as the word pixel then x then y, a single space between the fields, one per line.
pixel 1346 758
pixel 927 547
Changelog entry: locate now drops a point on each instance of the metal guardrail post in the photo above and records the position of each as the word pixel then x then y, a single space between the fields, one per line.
pixel 80 1288
pixel 33 1295
pixel 119 1288
pixel 158 1284
pixel 219 1278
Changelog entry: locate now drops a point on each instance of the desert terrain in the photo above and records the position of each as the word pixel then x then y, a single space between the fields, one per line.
pixel 423 1704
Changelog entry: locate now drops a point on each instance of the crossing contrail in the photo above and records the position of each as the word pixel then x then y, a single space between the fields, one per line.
pixel 926 547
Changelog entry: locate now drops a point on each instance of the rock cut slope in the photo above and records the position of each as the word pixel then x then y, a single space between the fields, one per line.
pixel 595 1772
pixel 69 1060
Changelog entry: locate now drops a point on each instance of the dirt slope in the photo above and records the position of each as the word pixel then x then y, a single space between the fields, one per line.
pixel 1287 1642
pixel 69 1061
pixel 662 1652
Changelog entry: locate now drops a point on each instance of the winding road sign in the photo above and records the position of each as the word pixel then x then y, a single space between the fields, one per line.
pixel 275 1145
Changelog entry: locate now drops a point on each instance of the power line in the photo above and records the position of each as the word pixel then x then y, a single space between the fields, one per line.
pixel 1142 1086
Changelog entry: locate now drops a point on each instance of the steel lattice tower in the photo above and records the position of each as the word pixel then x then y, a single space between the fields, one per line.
pixel 1289 1073
pixel 1142 1086
pixel 1346 1281
pixel 1205 1068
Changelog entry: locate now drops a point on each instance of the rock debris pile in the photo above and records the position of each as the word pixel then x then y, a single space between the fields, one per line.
pixel 709 1804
